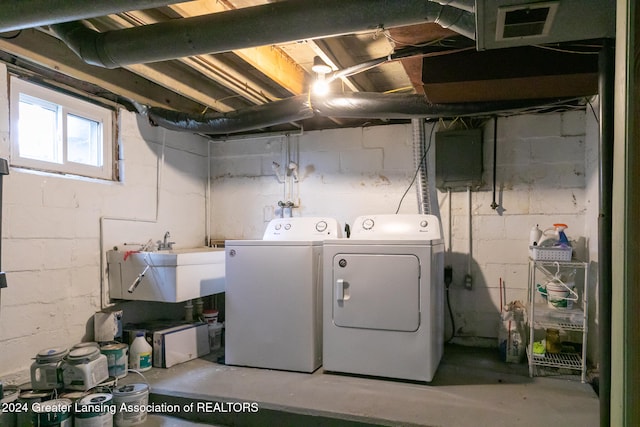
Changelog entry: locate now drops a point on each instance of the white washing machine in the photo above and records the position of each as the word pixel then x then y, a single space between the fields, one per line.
pixel 384 298
pixel 273 297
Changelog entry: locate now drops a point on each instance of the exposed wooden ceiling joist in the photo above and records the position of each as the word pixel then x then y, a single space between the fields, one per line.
pixel 192 87
pixel 270 60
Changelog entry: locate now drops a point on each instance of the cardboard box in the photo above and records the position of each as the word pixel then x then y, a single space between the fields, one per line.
pixel 107 326
pixel 180 344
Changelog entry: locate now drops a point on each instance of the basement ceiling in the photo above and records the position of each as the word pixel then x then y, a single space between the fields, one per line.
pixel 219 59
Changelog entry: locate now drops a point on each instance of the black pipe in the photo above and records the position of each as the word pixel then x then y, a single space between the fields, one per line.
pixel 606 82
pixel 494 205
pixel 266 24
pixel 4 170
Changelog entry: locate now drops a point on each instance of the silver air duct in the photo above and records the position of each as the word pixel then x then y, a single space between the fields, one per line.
pixel 267 24
pixel 18 15
pixel 359 105
pixel 247 119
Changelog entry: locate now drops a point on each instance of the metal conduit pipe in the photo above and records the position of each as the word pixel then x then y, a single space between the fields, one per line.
pixel 420 163
pixel 266 24
pixel 18 15
pixel 360 105
pixel 458 20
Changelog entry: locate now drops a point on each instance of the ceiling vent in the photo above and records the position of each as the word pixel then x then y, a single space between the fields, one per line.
pixel 511 23
pixel 532 20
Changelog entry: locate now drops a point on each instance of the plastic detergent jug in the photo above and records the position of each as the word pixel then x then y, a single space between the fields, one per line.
pixel 140 353
pixel 534 235
pixel 554 236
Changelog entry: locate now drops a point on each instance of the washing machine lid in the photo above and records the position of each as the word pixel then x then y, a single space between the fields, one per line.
pixel 272 243
pixel 302 228
pixel 400 227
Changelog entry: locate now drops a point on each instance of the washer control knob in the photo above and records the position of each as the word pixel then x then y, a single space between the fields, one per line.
pixel 321 226
pixel 367 224
pixel 287 226
pixel 278 226
pixel 423 223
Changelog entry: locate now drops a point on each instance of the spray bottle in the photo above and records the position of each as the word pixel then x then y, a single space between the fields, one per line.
pixel 554 236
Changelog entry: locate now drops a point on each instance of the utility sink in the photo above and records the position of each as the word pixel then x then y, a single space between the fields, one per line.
pixel 173 275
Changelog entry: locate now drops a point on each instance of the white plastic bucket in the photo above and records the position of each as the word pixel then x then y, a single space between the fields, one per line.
pixel 95 410
pixel 53 413
pixel 26 416
pixel 210 316
pixel 46 371
pixel 117 359
pixel 560 295
pixel 130 401
pixel 85 368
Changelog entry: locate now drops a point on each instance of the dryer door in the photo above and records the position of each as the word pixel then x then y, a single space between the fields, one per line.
pixel 376 291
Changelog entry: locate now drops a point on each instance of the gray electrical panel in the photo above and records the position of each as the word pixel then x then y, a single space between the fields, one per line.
pixel 459 159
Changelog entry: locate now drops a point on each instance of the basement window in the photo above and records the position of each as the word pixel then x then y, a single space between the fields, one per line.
pixel 55 132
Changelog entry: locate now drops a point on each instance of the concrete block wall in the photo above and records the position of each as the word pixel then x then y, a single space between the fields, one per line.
pixel 541 167
pixel 52 240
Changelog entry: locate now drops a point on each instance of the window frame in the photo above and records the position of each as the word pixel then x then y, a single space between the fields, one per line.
pixel 69 105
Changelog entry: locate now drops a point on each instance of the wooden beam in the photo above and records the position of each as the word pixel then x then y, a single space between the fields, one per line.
pixel 269 60
pixel 211 67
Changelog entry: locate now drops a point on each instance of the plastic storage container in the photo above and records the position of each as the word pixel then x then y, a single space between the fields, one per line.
pixel 140 353
pixel 130 401
pixel 215 335
pixel 46 371
pixel 210 316
pixel 85 368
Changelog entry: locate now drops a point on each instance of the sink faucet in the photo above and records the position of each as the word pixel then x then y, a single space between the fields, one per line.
pixel 165 244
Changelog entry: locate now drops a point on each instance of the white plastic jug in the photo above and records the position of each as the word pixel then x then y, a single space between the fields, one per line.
pixel 140 353
pixel 534 235
pixel 554 235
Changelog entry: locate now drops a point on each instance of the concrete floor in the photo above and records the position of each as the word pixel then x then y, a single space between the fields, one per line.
pixel 471 388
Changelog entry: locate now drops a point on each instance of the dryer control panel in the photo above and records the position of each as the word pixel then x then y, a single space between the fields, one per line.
pixel 393 227
pixel 302 228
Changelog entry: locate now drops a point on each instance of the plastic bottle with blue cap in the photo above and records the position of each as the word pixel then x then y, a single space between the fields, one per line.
pixel 140 353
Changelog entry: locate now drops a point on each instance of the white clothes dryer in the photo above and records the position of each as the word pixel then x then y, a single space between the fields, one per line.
pixel 384 298
pixel 273 297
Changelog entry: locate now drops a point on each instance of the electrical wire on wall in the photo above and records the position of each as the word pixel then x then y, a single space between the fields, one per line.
pixel 420 164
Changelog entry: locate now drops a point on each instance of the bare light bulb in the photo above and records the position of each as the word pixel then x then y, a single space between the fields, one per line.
pixel 321 87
